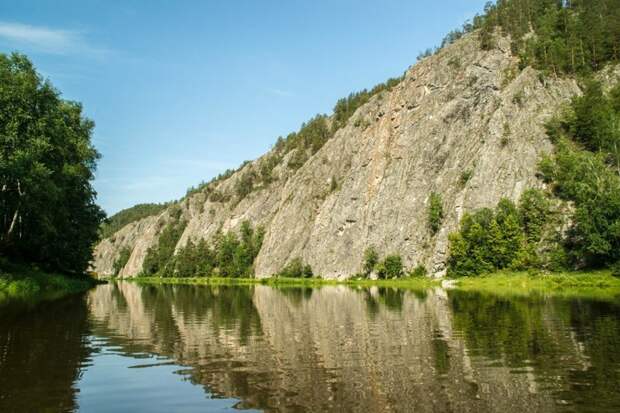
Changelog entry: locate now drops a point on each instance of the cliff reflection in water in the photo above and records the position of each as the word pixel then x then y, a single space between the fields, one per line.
pixel 341 349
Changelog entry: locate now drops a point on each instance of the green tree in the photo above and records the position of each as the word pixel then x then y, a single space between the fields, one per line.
pixel 584 178
pixel 435 212
pixel 129 215
pixel 371 259
pixel 534 211
pixel 48 213
pixel 158 260
pixel 390 267
pixel 121 261
pixel 296 269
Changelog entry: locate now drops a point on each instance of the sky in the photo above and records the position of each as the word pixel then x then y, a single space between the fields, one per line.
pixel 183 90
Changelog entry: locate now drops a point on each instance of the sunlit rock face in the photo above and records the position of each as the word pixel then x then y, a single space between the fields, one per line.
pixel 367 350
pixel 461 112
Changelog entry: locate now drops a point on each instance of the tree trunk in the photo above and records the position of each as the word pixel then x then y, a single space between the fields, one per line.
pixel 16 216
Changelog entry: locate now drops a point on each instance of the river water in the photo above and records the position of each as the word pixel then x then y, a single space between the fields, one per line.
pixel 136 348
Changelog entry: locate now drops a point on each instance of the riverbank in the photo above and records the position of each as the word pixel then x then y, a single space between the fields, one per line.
pixel 31 284
pixel 595 284
pixel 598 283
pixel 410 282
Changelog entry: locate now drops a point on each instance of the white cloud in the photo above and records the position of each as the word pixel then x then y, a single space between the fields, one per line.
pixel 46 40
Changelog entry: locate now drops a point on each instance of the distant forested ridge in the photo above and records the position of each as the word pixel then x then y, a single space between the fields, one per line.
pixel 129 215
pixel 48 214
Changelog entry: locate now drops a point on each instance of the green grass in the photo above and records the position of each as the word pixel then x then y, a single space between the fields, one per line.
pixel 31 284
pixel 596 284
pixel 413 283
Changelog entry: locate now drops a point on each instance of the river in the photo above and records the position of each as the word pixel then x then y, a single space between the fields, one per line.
pixel 182 348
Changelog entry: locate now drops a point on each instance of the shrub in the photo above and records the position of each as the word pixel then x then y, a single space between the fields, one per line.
pixel 296 269
pixel 371 259
pixel 121 261
pixel 390 267
pixel 465 177
pixel 435 212
pixel 127 216
pixel 333 184
pixel 419 271
pixel 159 256
pixel 245 185
pixel 534 212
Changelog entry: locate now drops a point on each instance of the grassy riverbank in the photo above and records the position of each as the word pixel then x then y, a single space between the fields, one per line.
pixel 26 283
pixel 413 282
pixel 596 284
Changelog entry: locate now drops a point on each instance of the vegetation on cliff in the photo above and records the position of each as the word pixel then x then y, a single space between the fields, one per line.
pixel 48 214
pixel 585 172
pixel 559 37
pixel 129 215
pixel 229 255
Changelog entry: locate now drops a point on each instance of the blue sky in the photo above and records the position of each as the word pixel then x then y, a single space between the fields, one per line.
pixel 182 90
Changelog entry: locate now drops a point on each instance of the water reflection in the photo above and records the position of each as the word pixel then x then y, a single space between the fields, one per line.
pixel 41 358
pixel 340 349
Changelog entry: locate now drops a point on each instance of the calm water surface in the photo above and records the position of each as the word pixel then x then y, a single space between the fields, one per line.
pixel 126 347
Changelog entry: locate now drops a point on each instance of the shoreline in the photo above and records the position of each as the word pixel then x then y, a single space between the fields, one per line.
pixel 25 284
pixel 411 282
pixel 557 283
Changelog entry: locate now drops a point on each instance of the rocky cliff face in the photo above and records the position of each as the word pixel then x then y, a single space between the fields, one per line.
pixel 464 123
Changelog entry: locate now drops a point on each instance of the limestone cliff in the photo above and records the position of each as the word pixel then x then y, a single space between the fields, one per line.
pixel 465 123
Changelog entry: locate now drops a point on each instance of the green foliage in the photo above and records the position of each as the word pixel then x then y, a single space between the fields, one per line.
pixel 296 269
pixel 121 261
pixel 390 267
pixel 47 162
pixel 27 282
pixel 424 54
pixel 371 259
pixel 465 177
pixel 568 36
pixel 267 166
pixel 333 184
pixel 534 210
pixel 435 212
pixel 159 256
pixel 491 240
pixel 313 134
pixel 129 215
pixel 346 107
pixel 310 138
pixel 419 271
pixel 230 255
pixel 595 121
pixel 245 185
pixel 585 170
pixel 584 178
